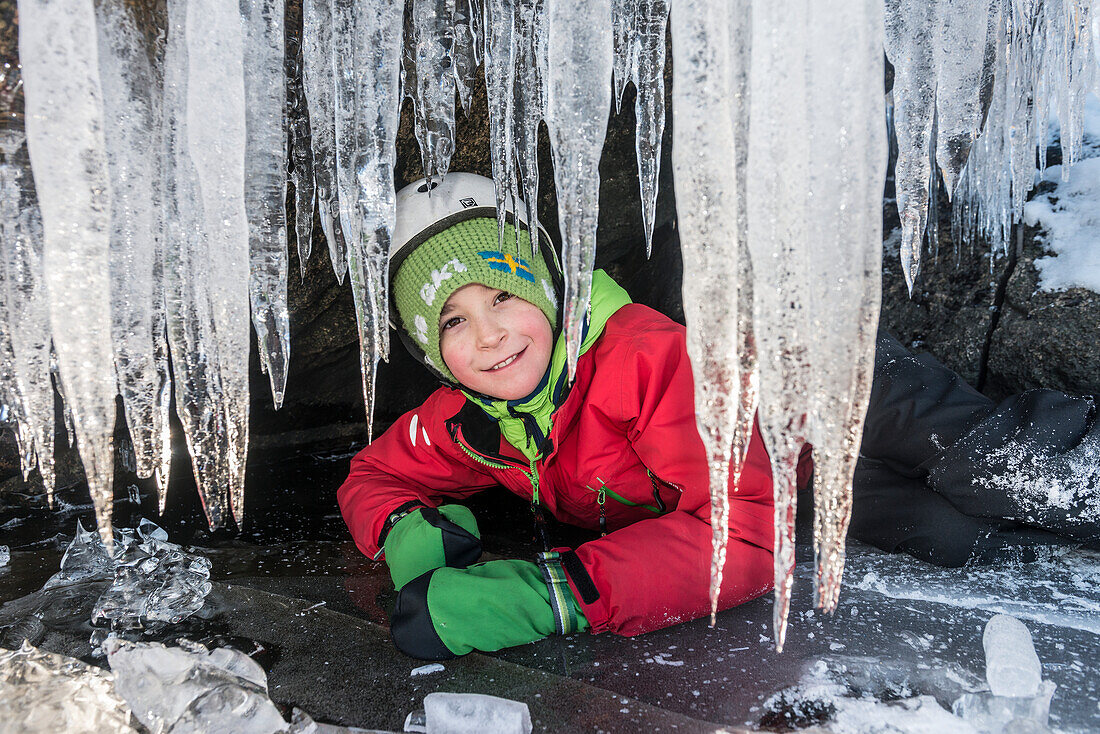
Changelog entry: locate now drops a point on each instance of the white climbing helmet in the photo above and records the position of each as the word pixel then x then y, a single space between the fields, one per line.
pixel 425 209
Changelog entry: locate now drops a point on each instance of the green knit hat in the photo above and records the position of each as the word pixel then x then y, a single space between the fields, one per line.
pixel 466 252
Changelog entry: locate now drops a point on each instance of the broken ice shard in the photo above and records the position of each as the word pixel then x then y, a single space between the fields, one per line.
pixel 44 693
pixel 191 689
pixel 473 713
pixel 5 556
pixel 154 582
pixel 1011 665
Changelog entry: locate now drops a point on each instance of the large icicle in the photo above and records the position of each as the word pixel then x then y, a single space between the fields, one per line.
pixel 648 73
pixel 132 107
pixel 28 312
pixel 64 118
pixel 376 44
pixel 216 141
pixel 319 84
pixel 816 259
pixel 710 57
pixel 432 88
pixel 187 260
pixel 265 190
pixel 301 155
pixel 911 33
pixel 577 106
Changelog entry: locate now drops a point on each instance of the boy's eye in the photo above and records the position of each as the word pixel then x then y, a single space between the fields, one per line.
pixel 503 296
pixel 453 321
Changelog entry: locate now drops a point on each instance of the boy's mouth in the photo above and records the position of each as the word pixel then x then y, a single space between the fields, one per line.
pixel 501 365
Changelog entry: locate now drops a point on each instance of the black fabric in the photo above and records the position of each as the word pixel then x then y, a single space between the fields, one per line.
pixel 579 575
pixel 460 548
pixel 897 513
pixel 394 516
pixel 480 431
pixel 950 477
pixel 1035 460
pixel 411 624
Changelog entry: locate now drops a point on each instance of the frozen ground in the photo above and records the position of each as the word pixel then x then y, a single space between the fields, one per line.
pixel 904 644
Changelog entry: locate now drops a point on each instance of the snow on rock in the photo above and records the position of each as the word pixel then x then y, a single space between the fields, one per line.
pixel 1069 215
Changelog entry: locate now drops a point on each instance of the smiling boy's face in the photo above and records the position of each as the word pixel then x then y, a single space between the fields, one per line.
pixel 493 342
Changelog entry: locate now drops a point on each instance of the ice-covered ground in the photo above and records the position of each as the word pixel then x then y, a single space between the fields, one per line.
pixel 1070 215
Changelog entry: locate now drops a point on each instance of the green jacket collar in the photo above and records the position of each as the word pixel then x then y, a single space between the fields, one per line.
pixel 526 422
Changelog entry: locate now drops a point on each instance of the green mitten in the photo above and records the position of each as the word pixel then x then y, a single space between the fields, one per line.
pixel 430 538
pixel 449 611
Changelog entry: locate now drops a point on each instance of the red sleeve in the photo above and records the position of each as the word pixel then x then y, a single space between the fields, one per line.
pixel 656 572
pixel 414 460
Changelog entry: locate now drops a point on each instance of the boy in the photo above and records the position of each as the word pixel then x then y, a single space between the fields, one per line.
pixel 615 451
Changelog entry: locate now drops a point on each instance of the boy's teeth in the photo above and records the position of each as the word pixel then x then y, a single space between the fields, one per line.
pixel 505 363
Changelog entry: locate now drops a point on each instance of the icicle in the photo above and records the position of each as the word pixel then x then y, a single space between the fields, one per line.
pixel 64 117
pixel 500 56
pixel 377 55
pixel 648 73
pixel 344 74
pixel 577 102
pixel 319 84
pixel 528 103
pixel 265 189
pixel 210 197
pixel 301 157
pixel 432 88
pixel 710 57
pixel 819 257
pixel 912 28
pixel 131 104
pixel 625 17
pixel 466 56
pixel 186 288
pixel 21 245
pixel 959 56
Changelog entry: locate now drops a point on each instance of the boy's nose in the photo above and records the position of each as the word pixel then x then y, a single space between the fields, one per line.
pixel 490 333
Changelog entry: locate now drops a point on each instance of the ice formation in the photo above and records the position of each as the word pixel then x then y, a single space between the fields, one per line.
pixel 153 582
pixel 265 188
pixel 319 87
pixel 773 275
pixel 131 105
pixel 65 136
pixel 301 153
pixel 217 123
pixel 24 310
pixel 45 692
pixel 576 116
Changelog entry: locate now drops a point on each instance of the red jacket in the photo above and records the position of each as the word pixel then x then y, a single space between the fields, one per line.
pixel 628 427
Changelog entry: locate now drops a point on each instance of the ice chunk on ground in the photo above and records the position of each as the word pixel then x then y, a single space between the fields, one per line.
pixel 5 556
pixel 989 712
pixel 192 689
pixel 46 693
pixel 155 582
pixel 473 713
pixel 427 669
pixel 1011 665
